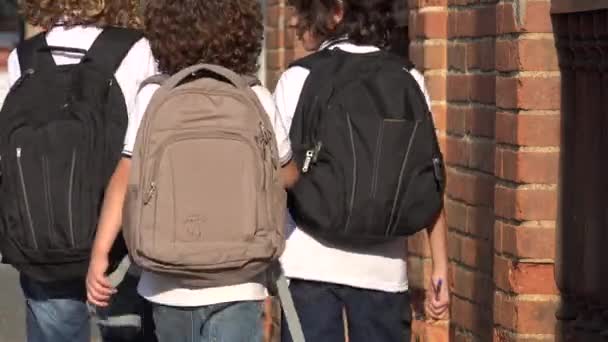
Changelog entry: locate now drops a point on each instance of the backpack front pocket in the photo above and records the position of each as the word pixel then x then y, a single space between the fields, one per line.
pixel 221 165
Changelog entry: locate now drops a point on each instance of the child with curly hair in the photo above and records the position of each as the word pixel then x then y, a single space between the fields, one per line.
pixel 106 32
pixel 184 33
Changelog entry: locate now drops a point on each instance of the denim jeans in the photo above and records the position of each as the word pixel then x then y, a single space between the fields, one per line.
pixel 228 322
pixel 58 312
pixel 371 315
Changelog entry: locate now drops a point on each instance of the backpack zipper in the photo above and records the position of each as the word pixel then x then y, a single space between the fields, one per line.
pixel 403 165
pixel 46 178
pixel 148 119
pixel 25 200
pixel 352 192
pixel 264 141
pixel 377 161
pixel 70 190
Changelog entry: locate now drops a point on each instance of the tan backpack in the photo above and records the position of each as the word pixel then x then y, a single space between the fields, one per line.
pixel 205 203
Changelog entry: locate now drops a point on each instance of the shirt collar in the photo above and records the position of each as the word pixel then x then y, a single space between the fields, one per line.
pixel 344 44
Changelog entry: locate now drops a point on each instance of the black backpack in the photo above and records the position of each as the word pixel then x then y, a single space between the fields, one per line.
pixel 365 141
pixel 62 130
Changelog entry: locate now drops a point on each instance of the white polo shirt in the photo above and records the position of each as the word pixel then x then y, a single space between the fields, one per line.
pixel 167 290
pixel 381 267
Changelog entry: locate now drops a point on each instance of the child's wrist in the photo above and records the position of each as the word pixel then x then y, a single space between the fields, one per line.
pixel 99 253
pixel 440 269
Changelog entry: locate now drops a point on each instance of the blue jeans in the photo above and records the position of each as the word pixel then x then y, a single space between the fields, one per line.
pixel 371 315
pixel 57 312
pixel 228 322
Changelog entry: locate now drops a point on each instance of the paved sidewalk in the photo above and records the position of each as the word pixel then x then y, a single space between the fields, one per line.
pixel 11 306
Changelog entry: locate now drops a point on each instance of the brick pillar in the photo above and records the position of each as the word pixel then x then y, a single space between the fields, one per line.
pixel 527 164
pixel 491 69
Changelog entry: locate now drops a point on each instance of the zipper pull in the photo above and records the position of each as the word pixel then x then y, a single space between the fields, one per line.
pixel 150 193
pixel 19 152
pixel 262 140
pixel 309 156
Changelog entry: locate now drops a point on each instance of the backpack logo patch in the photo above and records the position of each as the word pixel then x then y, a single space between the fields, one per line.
pixel 193 225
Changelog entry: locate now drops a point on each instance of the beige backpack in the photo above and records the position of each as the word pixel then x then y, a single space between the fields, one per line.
pixel 205 203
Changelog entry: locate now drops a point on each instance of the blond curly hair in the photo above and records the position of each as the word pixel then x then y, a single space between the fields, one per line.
pixel 47 13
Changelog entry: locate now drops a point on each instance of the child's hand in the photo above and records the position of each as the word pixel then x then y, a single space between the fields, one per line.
pixel 438 298
pixel 99 289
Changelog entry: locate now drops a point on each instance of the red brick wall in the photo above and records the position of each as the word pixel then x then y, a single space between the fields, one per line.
pixel 492 73
pixel 281 44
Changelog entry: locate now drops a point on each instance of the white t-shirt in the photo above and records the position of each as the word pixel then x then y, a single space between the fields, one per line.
pixel 382 267
pixel 166 290
pixel 138 64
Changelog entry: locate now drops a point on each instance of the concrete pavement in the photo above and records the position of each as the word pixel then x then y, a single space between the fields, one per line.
pixel 11 306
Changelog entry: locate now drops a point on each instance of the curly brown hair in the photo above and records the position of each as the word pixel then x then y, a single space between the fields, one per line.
pixel 188 32
pixel 47 13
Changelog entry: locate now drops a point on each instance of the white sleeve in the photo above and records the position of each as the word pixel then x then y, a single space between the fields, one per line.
pixel 287 93
pixel 13 68
pixel 141 104
pixel 136 67
pixel 420 79
pixel 280 132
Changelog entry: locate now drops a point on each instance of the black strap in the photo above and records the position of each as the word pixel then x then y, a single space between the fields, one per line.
pixel 29 55
pixel 112 46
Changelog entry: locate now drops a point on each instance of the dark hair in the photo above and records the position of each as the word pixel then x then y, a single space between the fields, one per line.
pixel 365 22
pixel 183 33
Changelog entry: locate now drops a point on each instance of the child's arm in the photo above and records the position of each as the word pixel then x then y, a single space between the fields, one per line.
pixel 99 289
pixel 438 297
pixel 290 174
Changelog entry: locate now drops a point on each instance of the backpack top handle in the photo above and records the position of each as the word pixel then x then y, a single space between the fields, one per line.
pixel 222 73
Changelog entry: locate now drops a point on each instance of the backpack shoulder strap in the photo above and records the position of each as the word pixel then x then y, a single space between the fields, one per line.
pixel 111 47
pixel 401 61
pixel 313 60
pixel 29 54
pixel 252 81
pixel 321 65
